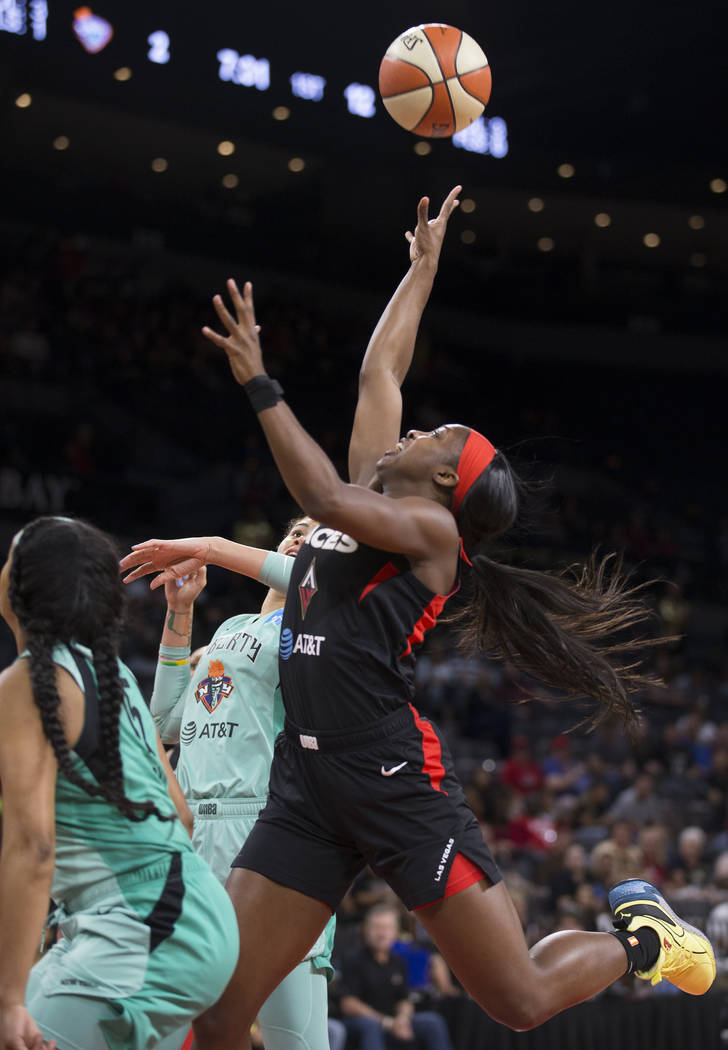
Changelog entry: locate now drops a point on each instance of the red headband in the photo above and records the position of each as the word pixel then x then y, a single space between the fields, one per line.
pixel 476 455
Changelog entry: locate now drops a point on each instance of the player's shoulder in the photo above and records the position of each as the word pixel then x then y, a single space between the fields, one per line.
pixel 15 676
pixel 18 710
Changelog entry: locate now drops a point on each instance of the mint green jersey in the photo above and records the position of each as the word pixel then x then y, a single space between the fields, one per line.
pixel 228 714
pixel 97 847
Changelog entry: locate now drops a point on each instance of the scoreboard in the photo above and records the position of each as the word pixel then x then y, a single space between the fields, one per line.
pixel 210 60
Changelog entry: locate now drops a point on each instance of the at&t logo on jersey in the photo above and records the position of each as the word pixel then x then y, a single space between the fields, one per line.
pixel 332 540
pixel 305 644
pixel 215 688
pixel 211 730
pixel 286 646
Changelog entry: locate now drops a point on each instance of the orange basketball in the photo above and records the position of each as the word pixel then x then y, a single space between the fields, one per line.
pixel 434 80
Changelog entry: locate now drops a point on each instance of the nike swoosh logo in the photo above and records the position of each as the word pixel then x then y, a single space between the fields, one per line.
pixel 394 769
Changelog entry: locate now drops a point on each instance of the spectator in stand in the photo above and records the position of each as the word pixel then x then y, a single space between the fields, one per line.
pixel 690 871
pixel 616 858
pixel 638 804
pixel 563 772
pixel 590 808
pixel 521 771
pixel 375 1002
pixel 717 787
pixel 571 873
pixel 653 843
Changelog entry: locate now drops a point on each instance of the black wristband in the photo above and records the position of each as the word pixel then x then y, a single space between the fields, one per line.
pixel 263 392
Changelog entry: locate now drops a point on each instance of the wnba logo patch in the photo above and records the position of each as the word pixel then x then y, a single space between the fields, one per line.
pixel 215 688
pixel 286 646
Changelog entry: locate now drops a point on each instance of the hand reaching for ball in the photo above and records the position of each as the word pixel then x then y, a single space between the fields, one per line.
pixel 429 233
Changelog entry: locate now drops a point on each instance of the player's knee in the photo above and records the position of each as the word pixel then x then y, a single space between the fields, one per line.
pixel 521 1013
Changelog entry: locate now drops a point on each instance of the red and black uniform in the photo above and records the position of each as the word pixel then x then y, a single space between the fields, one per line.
pixel 358 776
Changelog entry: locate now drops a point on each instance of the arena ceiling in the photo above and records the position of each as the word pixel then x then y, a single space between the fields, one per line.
pixel 632 96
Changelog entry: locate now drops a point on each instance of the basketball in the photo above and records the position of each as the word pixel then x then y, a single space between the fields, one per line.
pixel 434 80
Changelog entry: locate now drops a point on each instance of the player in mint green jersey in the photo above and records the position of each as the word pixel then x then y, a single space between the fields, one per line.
pixel 149 935
pixel 226 717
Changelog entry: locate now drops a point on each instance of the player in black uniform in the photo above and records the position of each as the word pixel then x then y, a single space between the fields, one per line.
pixel 359 777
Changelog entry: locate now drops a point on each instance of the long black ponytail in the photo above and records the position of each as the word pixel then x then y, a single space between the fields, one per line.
pixel 572 630
pixel 65 587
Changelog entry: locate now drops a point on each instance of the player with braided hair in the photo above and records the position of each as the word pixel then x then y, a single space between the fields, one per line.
pixel 88 820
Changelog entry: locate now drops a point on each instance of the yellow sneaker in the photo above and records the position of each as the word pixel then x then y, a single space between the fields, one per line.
pixel 686 956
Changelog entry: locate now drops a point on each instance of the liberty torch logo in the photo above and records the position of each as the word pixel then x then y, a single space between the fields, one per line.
pixel 215 688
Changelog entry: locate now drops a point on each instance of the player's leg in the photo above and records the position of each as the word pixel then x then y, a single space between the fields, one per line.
pixel 479 933
pixel 277 926
pixel 294 1016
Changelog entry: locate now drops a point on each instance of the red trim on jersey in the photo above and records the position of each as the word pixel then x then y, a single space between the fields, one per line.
pixel 431 750
pixel 188 1041
pixel 463 873
pixel 425 622
pixel 385 573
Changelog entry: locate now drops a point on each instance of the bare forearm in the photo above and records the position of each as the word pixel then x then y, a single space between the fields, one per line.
pixel 392 342
pixel 404 1008
pixel 308 473
pixel 177 629
pixel 236 557
pixel 26 874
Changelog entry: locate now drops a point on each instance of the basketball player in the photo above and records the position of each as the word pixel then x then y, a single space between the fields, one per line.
pixel 359 777
pixel 149 935
pixel 226 718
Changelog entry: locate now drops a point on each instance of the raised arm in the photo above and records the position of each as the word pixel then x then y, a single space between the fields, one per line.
pixel 420 528
pixel 172 676
pixel 378 416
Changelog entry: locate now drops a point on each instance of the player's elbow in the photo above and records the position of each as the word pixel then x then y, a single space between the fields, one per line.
pixel 375 377
pixel 33 848
pixel 324 502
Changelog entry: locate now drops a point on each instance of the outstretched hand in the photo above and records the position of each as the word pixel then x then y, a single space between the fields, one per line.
pixel 241 344
pixel 429 233
pixel 172 559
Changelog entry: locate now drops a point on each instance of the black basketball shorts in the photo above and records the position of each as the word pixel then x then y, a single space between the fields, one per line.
pixel 383 795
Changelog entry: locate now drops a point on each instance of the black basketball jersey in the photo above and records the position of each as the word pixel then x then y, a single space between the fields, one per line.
pixel 353 617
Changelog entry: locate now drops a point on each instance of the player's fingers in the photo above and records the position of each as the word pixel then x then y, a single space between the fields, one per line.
pixel 140 553
pixel 224 314
pixel 450 203
pixel 186 567
pixel 423 210
pixel 141 570
pixel 409 236
pixel 168 576
pixel 130 560
pixel 248 296
pixel 241 307
pixel 215 337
